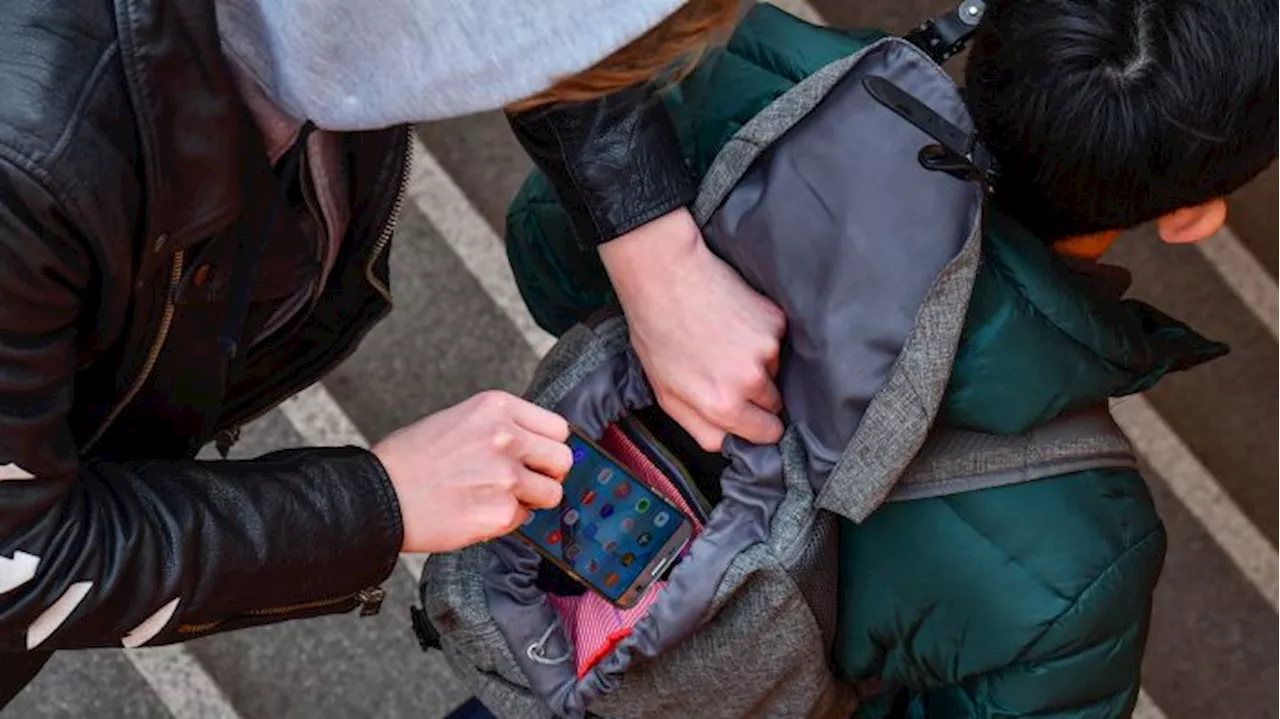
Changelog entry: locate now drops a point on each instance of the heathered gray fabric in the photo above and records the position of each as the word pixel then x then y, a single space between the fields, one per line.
pixel 349 65
pixel 954 461
pixel 898 419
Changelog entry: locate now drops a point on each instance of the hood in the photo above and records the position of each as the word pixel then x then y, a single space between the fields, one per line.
pixel 349 65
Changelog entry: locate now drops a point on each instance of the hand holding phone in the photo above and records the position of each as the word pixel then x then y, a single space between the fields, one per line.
pixel 612 532
pixel 469 473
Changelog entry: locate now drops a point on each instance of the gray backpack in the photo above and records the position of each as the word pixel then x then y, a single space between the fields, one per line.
pixel 826 203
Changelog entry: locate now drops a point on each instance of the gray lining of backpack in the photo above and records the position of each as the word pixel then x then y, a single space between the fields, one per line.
pixel 753 488
pixel 889 386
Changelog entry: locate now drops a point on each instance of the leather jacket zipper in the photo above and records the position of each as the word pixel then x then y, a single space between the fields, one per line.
pixel 153 354
pixel 370 600
pixel 389 229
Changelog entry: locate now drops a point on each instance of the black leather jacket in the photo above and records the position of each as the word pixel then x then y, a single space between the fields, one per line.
pixel 131 176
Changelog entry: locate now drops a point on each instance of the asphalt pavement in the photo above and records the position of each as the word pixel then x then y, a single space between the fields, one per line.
pixel 1209 440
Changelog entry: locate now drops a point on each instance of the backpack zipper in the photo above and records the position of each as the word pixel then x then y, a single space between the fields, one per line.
pixel 153 354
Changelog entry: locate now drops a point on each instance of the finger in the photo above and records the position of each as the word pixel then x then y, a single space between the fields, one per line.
pixel 756 425
pixel 767 397
pixel 708 436
pixel 516 519
pixel 537 490
pixel 771 364
pixel 539 420
pixel 543 455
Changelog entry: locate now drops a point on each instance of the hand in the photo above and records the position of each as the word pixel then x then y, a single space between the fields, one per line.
pixel 473 471
pixel 708 342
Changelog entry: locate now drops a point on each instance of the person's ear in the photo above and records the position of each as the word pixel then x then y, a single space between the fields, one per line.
pixel 1192 224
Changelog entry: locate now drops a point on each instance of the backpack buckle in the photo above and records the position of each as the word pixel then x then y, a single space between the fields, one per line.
pixel 945 36
pixel 957 153
pixel 969 168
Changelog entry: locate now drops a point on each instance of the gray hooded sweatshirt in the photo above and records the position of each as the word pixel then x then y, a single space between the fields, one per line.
pixel 369 64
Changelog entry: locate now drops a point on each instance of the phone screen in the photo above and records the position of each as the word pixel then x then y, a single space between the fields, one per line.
pixel 609 526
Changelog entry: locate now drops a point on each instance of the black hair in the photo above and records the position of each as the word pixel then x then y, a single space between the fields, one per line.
pixel 1104 114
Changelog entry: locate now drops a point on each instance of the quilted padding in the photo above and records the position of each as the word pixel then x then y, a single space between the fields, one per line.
pixel 1023 600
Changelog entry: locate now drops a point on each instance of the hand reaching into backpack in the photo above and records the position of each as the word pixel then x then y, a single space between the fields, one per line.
pixel 708 342
pixel 473 472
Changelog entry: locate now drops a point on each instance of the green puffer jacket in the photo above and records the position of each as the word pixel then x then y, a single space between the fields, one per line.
pixel 1027 600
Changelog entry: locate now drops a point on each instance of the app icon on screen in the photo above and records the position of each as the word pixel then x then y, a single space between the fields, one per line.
pixel 623 490
pixel 572 552
pixel 610 545
pixel 589 531
pixel 588 497
pixel 592 566
pixel 628 524
pixel 627 559
pixel 643 505
pixel 579 454
pixel 605 475
pixel 606 510
pixel 611 581
pixel 644 539
pixel 660 519
pixel 570 517
pixel 553 538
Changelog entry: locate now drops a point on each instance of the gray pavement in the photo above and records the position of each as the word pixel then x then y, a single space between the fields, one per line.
pixel 1212 645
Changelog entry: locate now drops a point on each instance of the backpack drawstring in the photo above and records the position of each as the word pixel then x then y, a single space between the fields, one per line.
pixel 537 651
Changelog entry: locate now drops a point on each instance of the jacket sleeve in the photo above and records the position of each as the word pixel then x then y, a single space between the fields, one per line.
pixel 96 554
pixel 615 162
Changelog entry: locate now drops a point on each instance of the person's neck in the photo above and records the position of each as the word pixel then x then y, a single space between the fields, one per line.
pixel 1086 247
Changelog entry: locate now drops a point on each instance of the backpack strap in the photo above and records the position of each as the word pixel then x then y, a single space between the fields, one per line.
pixel 945 36
pixel 954 461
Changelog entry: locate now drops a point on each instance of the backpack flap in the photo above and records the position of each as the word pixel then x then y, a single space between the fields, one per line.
pixel 823 204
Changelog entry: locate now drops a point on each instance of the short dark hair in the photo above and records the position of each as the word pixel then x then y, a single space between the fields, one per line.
pixel 1104 114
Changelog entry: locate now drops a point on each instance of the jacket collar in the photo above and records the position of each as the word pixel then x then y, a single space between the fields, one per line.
pixel 191 123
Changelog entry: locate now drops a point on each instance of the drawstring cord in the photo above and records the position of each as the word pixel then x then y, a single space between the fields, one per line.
pixel 246 270
pixel 538 650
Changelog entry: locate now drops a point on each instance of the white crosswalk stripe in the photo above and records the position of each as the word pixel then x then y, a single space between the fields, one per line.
pixel 434 193
pixel 1196 488
pixel 1242 272
pixel 181 683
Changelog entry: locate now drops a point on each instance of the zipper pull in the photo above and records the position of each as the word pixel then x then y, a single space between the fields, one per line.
pixel 226 439
pixel 371 600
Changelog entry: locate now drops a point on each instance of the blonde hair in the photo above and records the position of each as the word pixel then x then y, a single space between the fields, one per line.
pixel 666 54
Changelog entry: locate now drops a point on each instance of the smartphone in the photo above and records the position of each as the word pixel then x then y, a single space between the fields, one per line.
pixel 675 470
pixel 611 532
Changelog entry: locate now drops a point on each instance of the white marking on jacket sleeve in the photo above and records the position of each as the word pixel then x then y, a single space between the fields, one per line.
pixel 13 471
pixel 53 617
pixel 17 571
pixel 151 626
